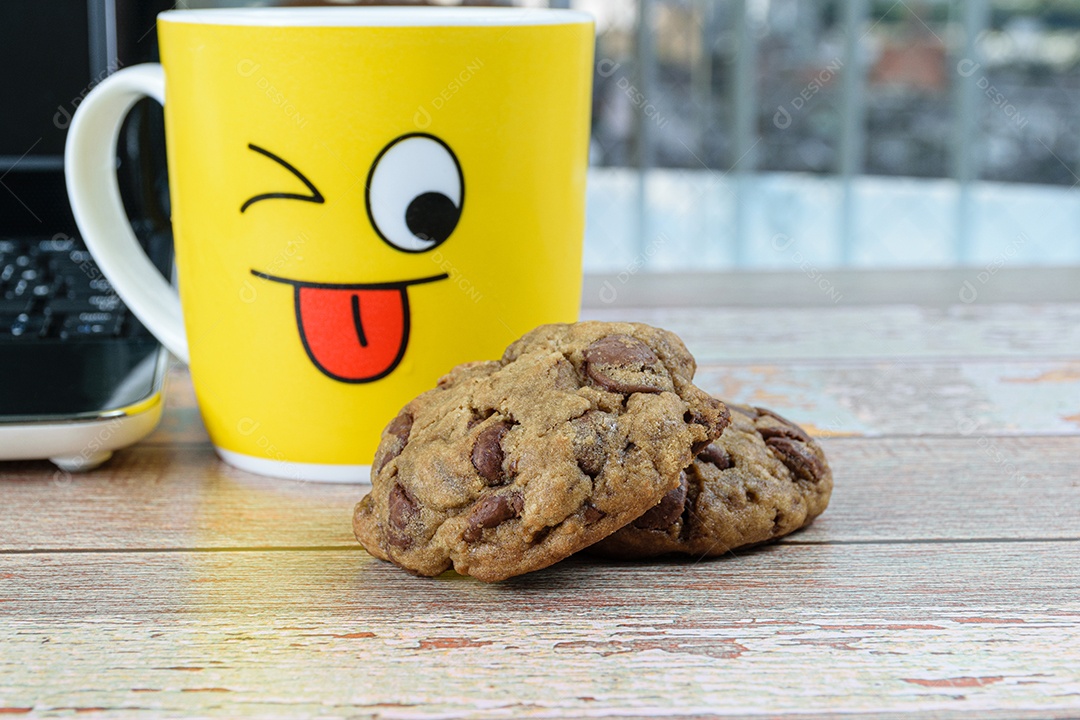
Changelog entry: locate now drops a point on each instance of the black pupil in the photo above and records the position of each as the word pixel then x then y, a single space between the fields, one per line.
pixel 432 217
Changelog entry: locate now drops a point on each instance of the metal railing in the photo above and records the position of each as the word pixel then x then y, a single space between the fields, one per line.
pixel 727 100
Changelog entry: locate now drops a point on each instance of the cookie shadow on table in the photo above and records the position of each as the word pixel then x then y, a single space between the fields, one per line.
pixel 584 570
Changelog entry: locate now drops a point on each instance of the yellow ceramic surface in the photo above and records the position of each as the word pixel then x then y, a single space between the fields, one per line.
pixel 316 175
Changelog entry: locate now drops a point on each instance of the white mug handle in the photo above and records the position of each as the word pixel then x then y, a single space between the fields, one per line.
pixel 90 170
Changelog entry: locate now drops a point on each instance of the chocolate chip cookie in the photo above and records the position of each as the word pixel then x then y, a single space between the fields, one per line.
pixel 511 465
pixel 762 479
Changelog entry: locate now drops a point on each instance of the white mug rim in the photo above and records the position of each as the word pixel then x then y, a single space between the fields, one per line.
pixel 427 16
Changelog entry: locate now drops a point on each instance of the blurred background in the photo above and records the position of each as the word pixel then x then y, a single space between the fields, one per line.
pixel 772 133
pixel 902 133
pixel 775 134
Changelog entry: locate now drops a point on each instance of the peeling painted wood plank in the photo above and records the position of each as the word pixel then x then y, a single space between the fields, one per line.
pixel 965 628
pixel 883 332
pixel 910 397
pixel 957 488
pixel 950 488
pixel 155 496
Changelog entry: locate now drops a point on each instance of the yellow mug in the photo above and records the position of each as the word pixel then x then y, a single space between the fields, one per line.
pixel 362 198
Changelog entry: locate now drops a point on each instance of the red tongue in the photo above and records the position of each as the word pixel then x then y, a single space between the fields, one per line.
pixel 353 335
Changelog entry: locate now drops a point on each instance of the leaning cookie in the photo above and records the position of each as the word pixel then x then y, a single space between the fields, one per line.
pixel 762 479
pixel 509 466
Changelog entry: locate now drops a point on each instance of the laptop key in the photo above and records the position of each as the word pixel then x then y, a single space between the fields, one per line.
pixel 92 324
pixel 28 325
pixel 6 321
pixel 105 303
pixel 20 289
pixel 85 287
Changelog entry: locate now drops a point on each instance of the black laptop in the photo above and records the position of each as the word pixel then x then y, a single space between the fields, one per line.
pixel 79 375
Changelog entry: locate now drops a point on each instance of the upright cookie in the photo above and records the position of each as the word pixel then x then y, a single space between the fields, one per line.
pixel 762 479
pixel 509 466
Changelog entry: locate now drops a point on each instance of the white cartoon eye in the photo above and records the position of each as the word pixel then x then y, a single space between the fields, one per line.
pixel 415 193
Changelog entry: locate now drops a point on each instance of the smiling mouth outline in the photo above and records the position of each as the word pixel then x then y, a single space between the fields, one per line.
pixel 400 285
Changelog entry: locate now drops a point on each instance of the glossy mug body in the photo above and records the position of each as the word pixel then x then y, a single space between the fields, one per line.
pixel 361 199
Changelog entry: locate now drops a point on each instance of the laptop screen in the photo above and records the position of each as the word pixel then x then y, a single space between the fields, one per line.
pixel 48 67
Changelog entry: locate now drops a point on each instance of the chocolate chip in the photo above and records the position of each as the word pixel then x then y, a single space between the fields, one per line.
pixel 402 510
pixel 593 435
pixel 716 455
pixel 492 511
pixel 667 511
pixel 723 415
pixel 487 453
pixel 593 514
pixel 401 426
pixel 624 364
pixel 781 428
pixel 714 420
pixel 394 439
pixel 798 458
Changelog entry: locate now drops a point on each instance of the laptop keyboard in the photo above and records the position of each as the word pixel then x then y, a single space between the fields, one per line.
pixel 51 290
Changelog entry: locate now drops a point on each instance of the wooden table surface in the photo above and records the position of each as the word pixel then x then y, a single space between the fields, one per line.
pixel 943 580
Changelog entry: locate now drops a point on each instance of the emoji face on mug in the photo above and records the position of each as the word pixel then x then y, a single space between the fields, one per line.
pixel 414 197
